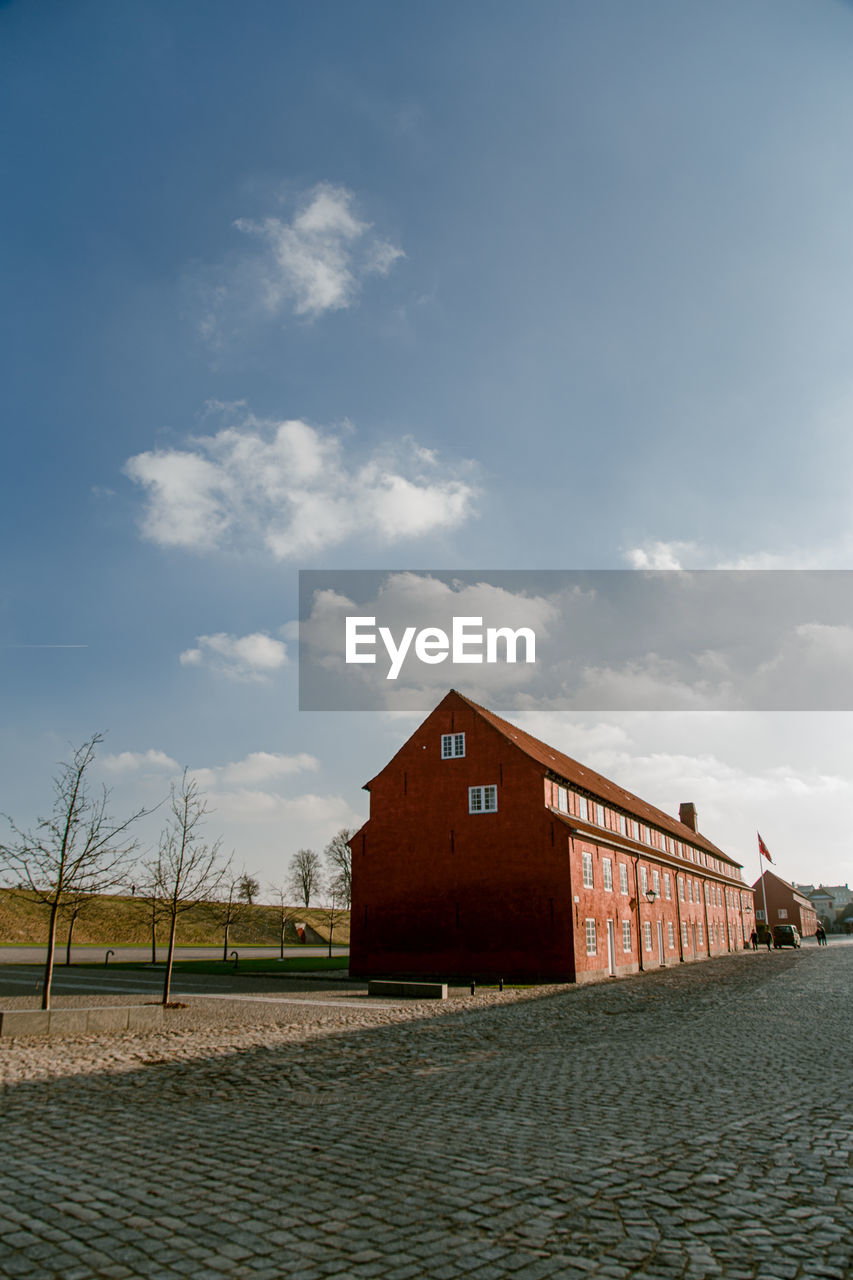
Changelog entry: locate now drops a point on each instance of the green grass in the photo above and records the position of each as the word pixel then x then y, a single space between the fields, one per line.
pixel 271 965
pixel 116 920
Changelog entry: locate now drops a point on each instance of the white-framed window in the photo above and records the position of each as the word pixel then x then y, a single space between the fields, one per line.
pixel 623 878
pixel 586 862
pixel 689 890
pixel 684 935
pixel 680 888
pixel 590 938
pixel 583 809
pixel 598 814
pixel 482 799
pixel 759 915
pixel 667 886
pixel 783 913
pixel 670 934
pixel 701 935
pixel 607 874
pixel 644 879
pixel 623 824
pixel 452 745
pixel 626 935
pixel 647 935
pixel 562 800
pixel 656 882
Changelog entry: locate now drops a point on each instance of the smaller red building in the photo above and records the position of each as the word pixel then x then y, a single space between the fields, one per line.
pixel 489 854
pixel 784 904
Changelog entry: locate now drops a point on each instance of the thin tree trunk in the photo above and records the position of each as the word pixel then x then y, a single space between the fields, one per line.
pixel 167 981
pixel 48 964
pixel 331 931
pixel 225 944
pixel 281 940
pixel 68 943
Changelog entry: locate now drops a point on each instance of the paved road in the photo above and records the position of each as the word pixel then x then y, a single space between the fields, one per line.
pixel 693 1123
pixel 83 955
pixel 26 980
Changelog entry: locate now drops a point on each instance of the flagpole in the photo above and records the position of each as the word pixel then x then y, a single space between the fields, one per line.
pixel 763 889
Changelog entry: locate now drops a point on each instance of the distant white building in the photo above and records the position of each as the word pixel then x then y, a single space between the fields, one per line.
pixel 828 900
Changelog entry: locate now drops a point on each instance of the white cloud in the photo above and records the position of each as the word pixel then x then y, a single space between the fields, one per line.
pixel 252 657
pixel 291 488
pixel 656 554
pixel 319 813
pixel 257 767
pixel 313 263
pixel 130 761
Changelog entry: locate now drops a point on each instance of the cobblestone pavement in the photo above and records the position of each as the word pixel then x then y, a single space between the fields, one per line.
pixel 694 1122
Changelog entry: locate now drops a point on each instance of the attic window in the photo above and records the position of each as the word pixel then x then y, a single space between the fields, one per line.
pixel 452 745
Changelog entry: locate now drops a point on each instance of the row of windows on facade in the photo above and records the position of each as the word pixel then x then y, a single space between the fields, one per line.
pixel 565 800
pixel 716 930
pixel 570 801
pixel 688 889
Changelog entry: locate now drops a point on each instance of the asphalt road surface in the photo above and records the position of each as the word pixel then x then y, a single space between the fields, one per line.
pixel 87 955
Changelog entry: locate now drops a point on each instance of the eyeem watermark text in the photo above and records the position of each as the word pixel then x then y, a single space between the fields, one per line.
pixel 466 642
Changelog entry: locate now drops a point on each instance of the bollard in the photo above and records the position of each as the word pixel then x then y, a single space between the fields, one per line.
pixel 473 987
pixel 500 984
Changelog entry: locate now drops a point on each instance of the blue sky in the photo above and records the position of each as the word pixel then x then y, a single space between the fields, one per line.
pixel 554 285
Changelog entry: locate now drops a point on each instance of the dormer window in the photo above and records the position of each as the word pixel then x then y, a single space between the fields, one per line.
pixel 452 745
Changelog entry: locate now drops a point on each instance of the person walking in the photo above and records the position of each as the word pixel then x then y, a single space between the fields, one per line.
pixel 753 937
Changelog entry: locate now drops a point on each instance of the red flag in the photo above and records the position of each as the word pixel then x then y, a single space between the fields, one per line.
pixel 762 848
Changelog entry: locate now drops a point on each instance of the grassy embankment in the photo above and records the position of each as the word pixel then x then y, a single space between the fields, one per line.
pixel 114 921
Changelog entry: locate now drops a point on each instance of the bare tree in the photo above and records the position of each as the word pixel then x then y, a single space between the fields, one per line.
pixel 79 851
pixel 285 913
pixel 305 875
pixel 248 888
pixel 72 908
pixel 187 870
pixel 331 914
pixel 227 908
pixel 338 857
pixel 146 891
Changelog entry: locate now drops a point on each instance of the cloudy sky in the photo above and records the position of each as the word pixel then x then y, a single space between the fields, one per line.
pixel 493 285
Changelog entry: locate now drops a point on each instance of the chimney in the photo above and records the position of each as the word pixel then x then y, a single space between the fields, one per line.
pixel 687 815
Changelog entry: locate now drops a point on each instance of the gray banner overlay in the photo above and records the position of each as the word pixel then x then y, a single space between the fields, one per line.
pixel 591 640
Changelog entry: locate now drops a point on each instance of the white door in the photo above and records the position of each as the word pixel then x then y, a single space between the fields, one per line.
pixel 660 943
pixel 611 948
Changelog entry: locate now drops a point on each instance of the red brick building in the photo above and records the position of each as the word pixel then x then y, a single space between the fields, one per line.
pixel 489 854
pixel 785 904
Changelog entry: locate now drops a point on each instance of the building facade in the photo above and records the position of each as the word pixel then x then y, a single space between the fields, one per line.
pixel 489 854
pixel 829 901
pixel 784 904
